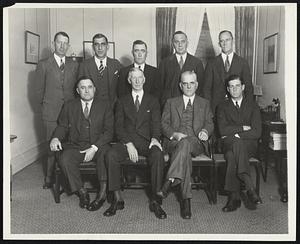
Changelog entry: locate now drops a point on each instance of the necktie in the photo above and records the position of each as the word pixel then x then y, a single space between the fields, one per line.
pixel 137 103
pixel 86 111
pixel 62 65
pixel 227 64
pixel 101 68
pixel 237 105
pixel 189 104
pixel 140 67
pixel 181 62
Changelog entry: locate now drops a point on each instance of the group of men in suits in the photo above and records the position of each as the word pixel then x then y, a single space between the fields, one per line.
pixel 125 104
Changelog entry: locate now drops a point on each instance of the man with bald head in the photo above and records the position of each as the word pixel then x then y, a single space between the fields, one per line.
pixel 186 127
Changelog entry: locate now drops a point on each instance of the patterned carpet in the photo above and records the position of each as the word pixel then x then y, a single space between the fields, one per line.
pixel 33 211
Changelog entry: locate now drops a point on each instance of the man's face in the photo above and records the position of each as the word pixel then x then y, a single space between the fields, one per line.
pixel 139 53
pixel 61 45
pixel 226 42
pixel 235 88
pixel 180 44
pixel 100 47
pixel 86 89
pixel 188 84
pixel 137 80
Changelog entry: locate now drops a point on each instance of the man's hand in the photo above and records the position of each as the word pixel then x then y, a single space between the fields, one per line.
pixel 246 127
pixel 132 152
pixel 155 142
pixel 55 145
pixel 89 154
pixel 178 136
pixel 203 136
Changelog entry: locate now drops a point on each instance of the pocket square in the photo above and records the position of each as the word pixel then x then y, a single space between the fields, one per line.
pixel 116 72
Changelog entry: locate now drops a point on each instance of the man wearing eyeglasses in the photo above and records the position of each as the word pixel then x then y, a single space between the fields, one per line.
pixel 239 123
pixel 104 71
pixel 55 79
pixel 186 126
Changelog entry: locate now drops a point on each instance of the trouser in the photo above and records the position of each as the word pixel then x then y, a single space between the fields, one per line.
pixel 118 153
pixel 237 153
pixel 69 160
pixel 50 127
pixel 181 162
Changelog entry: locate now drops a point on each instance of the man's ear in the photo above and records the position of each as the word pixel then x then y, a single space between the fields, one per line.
pixel 227 88
pixel 243 87
pixel 77 90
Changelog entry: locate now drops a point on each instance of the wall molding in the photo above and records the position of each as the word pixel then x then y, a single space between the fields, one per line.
pixel 26 158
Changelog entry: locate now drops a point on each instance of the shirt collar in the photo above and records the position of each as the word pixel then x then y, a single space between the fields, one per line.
pixel 239 101
pixel 230 57
pixel 97 60
pixel 137 65
pixel 186 99
pixel 84 102
pixel 57 59
pixel 183 56
pixel 139 93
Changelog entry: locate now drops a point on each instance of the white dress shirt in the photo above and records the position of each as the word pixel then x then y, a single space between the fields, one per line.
pixel 183 57
pixel 239 101
pixel 142 66
pixel 186 100
pixel 97 61
pixel 230 57
pixel 58 59
pixel 139 93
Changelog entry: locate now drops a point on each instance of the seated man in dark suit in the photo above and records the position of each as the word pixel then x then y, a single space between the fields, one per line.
pixel 187 125
pixel 85 127
pixel 138 130
pixel 239 123
pixel 139 52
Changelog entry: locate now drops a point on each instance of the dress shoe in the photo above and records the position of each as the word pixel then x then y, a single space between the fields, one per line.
pixel 96 204
pixel 186 209
pixel 117 205
pixel 253 196
pixel 284 197
pixel 232 205
pixel 163 193
pixel 84 200
pixel 158 211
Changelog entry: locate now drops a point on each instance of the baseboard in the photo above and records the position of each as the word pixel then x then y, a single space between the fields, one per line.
pixel 28 157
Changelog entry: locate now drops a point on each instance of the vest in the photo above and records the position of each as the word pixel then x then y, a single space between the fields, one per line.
pixel 186 123
pixel 103 85
pixel 84 140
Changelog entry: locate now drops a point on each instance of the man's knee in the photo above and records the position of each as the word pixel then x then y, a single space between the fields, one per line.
pixel 110 156
pixel 65 158
pixel 184 144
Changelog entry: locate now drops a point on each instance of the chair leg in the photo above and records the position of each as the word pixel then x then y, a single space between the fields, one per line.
pixel 56 188
pixel 215 184
pixel 257 179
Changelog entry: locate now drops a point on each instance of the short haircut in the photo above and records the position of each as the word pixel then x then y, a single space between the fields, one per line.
pixel 233 77
pixel 188 72
pixel 134 69
pixel 84 78
pixel 138 42
pixel 99 35
pixel 178 32
pixel 225 31
pixel 63 34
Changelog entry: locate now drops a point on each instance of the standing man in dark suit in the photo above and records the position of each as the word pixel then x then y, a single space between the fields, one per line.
pixel 104 71
pixel 151 86
pixel 85 127
pixel 55 80
pixel 138 130
pixel 187 125
pixel 239 124
pixel 220 68
pixel 171 68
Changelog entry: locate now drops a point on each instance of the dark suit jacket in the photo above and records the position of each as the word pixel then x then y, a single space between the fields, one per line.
pixel 53 88
pixel 172 114
pixel 214 83
pixel 101 122
pixel 151 85
pixel 231 121
pixel 89 68
pixel 136 127
pixel 170 75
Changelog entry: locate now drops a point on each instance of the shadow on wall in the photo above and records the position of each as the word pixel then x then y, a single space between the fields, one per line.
pixel 126 60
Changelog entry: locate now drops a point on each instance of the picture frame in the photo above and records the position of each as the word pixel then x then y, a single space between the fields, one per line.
pixel 32 47
pixel 270 57
pixel 88 51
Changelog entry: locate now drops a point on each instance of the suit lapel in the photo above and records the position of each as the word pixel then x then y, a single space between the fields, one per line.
pixel 220 68
pixel 180 106
pixel 142 109
pixel 78 111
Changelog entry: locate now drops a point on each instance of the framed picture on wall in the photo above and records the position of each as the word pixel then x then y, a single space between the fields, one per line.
pixel 32 47
pixel 89 52
pixel 271 54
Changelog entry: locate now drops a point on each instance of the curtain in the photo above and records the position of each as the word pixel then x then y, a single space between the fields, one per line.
pixel 189 20
pixel 220 18
pixel 165 27
pixel 244 33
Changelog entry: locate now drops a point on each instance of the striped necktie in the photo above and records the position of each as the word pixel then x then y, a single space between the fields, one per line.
pixel 62 65
pixel 101 68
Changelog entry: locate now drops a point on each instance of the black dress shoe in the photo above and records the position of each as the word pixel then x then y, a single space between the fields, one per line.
pixel 253 196
pixel 96 204
pixel 118 205
pixel 186 209
pixel 284 197
pixel 163 193
pixel 232 205
pixel 158 211
pixel 84 200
